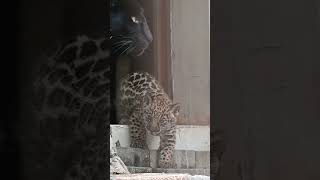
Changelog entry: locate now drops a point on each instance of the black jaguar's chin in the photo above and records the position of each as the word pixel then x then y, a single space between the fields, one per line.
pixel 140 48
pixel 141 52
pixel 138 51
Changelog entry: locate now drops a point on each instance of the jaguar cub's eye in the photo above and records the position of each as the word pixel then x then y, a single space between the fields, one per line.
pixel 135 20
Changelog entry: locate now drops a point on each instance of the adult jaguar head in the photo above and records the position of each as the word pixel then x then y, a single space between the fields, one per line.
pixel 130 33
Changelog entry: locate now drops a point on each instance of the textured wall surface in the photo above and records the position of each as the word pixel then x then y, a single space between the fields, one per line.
pixel 195 138
pixel 191 59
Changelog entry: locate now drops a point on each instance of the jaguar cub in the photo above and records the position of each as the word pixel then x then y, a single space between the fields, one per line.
pixel 145 106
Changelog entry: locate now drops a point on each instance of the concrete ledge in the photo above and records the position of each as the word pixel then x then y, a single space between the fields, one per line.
pixel 157 176
pixel 150 176
pixel 134 156
pixel 134 170
pixel 205 172
pixel 202 159
pixel 184 159
pixel 196 138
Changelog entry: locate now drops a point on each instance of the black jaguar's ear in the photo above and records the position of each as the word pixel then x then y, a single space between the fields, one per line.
pixel 175 109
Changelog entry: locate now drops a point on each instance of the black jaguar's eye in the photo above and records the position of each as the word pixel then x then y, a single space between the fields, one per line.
pixel 135 20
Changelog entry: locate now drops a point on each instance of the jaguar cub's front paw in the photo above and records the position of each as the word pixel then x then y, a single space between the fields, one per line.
pixel 167 164
pixel 138 144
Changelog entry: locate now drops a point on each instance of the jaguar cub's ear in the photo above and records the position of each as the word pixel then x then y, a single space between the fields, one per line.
pixel 175 108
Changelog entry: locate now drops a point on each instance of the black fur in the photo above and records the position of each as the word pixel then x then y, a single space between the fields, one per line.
pixel 130 33
pixel 72 94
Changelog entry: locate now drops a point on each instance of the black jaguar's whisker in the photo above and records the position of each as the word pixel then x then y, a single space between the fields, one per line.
pixel 118 36
pixel 125 50
pixel 122 37
pixel 121 44
pixel 117 48
pixel 131 49
pixel 123 41
pixel 131 32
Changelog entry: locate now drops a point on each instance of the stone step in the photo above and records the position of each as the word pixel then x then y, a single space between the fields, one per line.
pixel 184 159
pixel 134 170
pixel 205 172
pixel 189 137
pixel 134 157
pixel 158 176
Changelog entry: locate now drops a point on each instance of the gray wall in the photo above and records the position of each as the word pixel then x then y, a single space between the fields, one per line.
pixel 191 59
pixel 266 93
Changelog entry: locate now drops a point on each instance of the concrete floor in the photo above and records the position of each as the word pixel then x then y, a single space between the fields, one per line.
pixel 158 176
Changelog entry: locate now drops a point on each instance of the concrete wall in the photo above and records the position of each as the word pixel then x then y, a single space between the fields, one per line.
pixel 191 59
pixel 195 138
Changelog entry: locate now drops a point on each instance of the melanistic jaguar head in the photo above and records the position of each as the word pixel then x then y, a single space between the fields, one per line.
pixel 130 33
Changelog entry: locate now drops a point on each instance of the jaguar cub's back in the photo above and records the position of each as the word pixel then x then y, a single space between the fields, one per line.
pixel 138 85
pixel 145 106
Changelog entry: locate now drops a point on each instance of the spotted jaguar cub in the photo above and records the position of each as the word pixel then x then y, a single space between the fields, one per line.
pixel 145 106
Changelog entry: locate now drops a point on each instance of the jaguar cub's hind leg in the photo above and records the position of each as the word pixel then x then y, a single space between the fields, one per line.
pixel 137 133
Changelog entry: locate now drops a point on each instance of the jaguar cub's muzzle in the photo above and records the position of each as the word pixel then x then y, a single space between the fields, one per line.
pixel 155 133
pixel 153 128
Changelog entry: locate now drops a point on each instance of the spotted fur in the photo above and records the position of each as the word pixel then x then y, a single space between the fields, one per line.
pixel 72 105
pixel 71 97
pixel 145 106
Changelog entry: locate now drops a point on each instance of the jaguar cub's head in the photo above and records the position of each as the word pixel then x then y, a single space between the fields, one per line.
pixel 160 115
pixel 130 33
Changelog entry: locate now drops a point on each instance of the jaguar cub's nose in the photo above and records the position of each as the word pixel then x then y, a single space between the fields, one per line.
pixel 155 133
pixel 154 129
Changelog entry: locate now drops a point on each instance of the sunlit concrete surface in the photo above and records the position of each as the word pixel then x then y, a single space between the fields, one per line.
pixel 195 138
pixel 158 176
